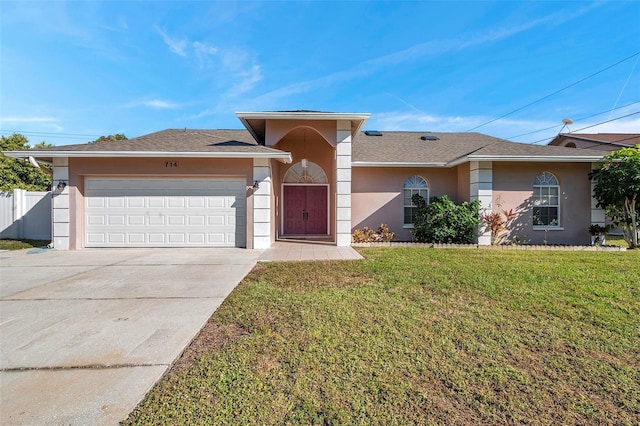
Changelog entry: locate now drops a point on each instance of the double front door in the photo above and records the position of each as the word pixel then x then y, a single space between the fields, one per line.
pixel 305 209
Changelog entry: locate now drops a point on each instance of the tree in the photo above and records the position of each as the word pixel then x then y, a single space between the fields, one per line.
pixel 17 173
pixel 443 221
pixel 617 190
pixel 116 137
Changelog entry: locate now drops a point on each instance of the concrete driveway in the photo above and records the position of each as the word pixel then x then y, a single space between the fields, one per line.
pixel 85 334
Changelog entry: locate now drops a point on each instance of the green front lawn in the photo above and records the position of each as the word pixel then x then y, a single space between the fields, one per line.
pixel 417 336
pixel 22 244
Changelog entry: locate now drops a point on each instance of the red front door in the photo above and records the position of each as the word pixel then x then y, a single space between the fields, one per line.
pixel 305 210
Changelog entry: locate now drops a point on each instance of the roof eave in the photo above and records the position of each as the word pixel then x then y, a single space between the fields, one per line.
pixel 395 164
pixel 284 157
pixel 306 115
pixel 535 158
pixel 357 119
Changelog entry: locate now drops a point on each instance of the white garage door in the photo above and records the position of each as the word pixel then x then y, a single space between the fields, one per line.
pixel 165 212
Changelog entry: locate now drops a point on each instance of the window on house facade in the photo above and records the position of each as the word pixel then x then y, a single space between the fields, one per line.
pixel 413 185
pixel 546 200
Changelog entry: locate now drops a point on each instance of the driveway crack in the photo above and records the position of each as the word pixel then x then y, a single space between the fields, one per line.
pixel 79 367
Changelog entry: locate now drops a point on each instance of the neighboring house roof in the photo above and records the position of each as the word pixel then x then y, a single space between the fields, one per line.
pixel 597 140
pixel 174 142
pixel 449 149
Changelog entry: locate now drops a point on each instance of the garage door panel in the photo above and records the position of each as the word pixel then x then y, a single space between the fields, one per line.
pixel 197 238
pixel 134 202
pixel 216 238
pixel 155 202
pixel 196 220
pixel 155 220
pixel 115 202
pixel 135 238
pixel 196 202
pixel 156 238
pixel 176 220
pixel 160 212
pixel 117 219
pixel 96 219
pixel 116 237
pixel 216 202
pixel 216 220
pixel 136 220
pixel 176 202
pixel 96 238
pixel 176 238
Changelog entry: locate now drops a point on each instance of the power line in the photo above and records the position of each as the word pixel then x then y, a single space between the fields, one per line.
pixel 593 125
pixel 614 119
pixel 577 119
pixel 46 133
pixel 50 134
pixel 556 92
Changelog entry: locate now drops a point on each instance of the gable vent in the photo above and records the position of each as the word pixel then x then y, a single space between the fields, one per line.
pixel 429 138
pixel 372 133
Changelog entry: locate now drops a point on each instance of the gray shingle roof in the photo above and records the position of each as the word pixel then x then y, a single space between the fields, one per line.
pixel 178 140
pixel 407 147
pixel 391 147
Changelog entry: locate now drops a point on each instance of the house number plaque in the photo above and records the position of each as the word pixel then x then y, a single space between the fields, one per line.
pixel 171 164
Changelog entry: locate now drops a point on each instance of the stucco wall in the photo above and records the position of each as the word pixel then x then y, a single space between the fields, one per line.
pixel 464 187
pixel 377 195
pixel 513 189
pixel 278 129
pixel 79 168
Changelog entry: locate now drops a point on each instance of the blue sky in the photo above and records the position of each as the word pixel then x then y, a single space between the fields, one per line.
pixel 72 71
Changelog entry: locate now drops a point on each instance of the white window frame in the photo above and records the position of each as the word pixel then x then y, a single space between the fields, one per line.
pixel 415 185
pixel 545 182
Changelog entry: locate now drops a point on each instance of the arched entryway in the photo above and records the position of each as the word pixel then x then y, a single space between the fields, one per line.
pixel 305 201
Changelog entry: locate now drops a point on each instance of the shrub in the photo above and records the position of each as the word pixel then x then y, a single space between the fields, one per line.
pixel 368 235
pixel 443 221
pixel 497 223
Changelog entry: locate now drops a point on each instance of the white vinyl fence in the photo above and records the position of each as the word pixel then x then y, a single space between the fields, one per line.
pixel 25 215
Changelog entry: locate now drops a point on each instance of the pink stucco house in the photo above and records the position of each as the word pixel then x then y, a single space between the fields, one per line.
pixel 305 175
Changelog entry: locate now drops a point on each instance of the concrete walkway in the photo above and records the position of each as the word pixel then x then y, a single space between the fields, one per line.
pixel 291 251
pixel 85 334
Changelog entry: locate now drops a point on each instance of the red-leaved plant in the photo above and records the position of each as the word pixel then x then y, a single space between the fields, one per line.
pixel 497 222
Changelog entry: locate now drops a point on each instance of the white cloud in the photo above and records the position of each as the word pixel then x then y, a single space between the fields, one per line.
pixel 120 26
pixel 16 120
pixel 176 46
pixel 153 103
pixel 248 81
pixel 186 48
pixel 202 48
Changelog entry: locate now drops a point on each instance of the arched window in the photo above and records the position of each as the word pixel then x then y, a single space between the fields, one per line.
pixel 546 200
pixel 305 173
pixel 570 145
pixel 413 185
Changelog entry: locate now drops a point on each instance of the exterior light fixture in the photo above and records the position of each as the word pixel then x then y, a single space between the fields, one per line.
pixel 61 185
pixel 305 164
pixel 256 184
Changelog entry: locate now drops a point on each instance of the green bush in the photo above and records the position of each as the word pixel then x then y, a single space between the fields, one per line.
pixel 443 221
